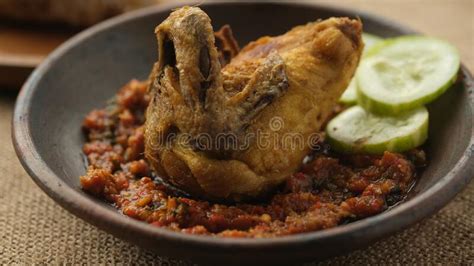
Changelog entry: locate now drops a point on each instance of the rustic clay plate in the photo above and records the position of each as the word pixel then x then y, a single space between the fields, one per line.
pixel 87 70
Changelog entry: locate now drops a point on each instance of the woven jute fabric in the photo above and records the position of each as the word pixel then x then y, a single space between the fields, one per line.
pixel 35 230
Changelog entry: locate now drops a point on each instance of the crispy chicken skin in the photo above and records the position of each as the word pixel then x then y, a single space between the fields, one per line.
pixel 203 117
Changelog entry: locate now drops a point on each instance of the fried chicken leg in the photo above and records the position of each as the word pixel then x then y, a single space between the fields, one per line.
pixel 205 122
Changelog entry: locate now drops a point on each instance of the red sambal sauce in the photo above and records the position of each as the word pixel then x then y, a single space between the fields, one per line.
pixel 329 190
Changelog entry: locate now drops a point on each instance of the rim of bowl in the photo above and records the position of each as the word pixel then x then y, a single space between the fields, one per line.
pixel 76 202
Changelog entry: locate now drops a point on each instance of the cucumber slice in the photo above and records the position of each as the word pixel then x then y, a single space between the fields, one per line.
pixel 404 73
pixel 370 40
pixel 358 131
pixel 349 96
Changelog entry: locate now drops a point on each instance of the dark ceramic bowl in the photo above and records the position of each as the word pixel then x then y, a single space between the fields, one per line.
pixel 87 70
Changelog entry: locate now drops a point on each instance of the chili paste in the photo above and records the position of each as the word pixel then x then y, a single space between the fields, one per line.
pixel 330 189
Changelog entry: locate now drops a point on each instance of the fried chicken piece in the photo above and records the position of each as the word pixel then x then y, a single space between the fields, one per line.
pixel 227 46
pixel 202 116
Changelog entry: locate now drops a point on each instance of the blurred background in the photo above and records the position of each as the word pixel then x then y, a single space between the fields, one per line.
pixel 31 29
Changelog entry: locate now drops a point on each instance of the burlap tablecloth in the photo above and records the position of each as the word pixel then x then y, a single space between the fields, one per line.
pixel 33 229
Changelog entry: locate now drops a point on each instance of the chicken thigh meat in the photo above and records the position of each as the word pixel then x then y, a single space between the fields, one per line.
pixel 219 129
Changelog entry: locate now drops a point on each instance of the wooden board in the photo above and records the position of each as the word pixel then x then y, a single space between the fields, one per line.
pixel 23 47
